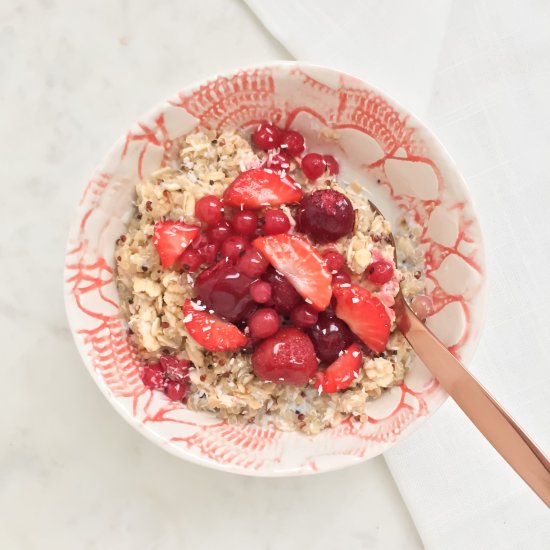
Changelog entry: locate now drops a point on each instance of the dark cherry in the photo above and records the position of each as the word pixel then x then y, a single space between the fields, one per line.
pixel 224 289
pixel 206 249
pixel 209 253
pixel 283 294
pixel 304 315
pixel 326 215
pixel 330 336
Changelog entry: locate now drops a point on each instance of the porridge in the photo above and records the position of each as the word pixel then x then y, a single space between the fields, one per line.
pixel 260 288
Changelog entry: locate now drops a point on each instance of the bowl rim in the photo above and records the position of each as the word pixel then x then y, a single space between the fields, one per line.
pixel 280 471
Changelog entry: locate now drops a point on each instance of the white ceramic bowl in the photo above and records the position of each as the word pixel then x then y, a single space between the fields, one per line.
pixel 402 167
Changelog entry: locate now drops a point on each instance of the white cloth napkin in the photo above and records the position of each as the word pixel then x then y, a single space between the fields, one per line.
pixel 479 74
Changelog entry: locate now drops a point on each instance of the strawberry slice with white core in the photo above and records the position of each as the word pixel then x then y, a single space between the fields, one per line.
pixel 259 187
pixel 340 374
pixel 365 315
pixel 171 238
pixel 209 330
pixel 302 266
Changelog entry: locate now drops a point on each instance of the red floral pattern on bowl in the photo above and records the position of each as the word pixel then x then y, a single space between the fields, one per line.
pixel 404 167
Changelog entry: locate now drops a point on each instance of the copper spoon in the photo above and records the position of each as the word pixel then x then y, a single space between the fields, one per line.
pixel 498 427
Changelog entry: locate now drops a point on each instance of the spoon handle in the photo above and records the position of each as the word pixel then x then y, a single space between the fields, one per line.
pixel 499 428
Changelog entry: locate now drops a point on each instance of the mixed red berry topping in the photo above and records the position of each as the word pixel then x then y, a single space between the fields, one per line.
pixel 169 374
pixel 271 287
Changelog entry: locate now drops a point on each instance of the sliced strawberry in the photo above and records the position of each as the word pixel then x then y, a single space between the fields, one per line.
pixel 340 374
pixel 299 262
pixel 258 187
pixel 171 239
pixel 365 315
pixel 209 330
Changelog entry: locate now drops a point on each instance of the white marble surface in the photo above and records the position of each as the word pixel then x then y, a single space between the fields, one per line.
pixel 73 474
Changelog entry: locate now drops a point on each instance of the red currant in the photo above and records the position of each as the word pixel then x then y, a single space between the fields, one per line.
pixel 332 164
pixel 313 166
pixel 263 323
pixel 266 136
pixel 190 260
pixel 209 209
pixel 233 247
pixel 260 292
pixel 219 232
pixel 245 222
pixel 275 222
pixel 379 272
pixel 292 142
